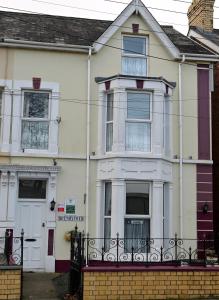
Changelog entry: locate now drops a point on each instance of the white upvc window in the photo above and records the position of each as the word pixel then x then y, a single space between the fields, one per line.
pixel 35 120
pixel 138 121
pixel 109 122
pixel 137 215
pixel 107 213
pixel 1 108
pixel 134 55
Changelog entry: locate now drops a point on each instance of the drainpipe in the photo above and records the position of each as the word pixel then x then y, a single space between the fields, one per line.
pixel 181 149
pixel 88 143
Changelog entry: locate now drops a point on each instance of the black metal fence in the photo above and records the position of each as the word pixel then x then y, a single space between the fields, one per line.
pixel 150 251
pixel 11 249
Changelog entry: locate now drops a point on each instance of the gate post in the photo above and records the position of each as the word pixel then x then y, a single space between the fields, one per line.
pixel 76 263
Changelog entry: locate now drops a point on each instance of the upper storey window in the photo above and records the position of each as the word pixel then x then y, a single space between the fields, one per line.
pixel 134 61
pixel 109 123
pixel 0 111
pixel 35 120
pixel 138 122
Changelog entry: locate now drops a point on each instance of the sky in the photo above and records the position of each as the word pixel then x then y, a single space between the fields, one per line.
pixel 107 10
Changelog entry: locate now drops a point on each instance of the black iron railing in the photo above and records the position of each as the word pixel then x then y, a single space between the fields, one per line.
pixel 150 251
pixel 11 249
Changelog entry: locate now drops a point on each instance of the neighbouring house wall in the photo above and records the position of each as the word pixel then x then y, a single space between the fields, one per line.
pixel 10 284
pixel 215 148
pixel 149 284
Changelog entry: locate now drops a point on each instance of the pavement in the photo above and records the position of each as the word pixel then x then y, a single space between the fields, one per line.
pixel 44 286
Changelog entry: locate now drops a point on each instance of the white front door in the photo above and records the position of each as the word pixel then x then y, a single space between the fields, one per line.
pixel 31 218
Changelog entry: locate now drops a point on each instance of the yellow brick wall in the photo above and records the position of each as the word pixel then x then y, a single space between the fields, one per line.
pixel 10 282
pixel 150 285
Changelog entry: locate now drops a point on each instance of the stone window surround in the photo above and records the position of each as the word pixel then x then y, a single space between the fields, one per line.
pixel 11 125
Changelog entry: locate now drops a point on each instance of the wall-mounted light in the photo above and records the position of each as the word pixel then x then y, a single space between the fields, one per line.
pixel 205 208
pixel 58 119
pixel 52 205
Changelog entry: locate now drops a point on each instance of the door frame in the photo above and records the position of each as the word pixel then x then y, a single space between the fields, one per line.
pixel 50 216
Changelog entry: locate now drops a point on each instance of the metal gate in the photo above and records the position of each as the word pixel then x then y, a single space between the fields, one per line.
pixel 77 262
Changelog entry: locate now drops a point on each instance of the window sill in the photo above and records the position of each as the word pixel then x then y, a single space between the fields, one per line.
pixel 34 153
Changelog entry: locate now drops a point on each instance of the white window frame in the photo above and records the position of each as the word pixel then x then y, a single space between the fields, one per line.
pixel 135 55
pixel 108 122
pixel 19 86
pixel 129 216
pixel 1 113
pixel 104 216
pixel 144 217
pixel 32 119
pixel 150 120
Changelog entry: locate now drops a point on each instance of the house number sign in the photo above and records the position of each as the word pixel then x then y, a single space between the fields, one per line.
pixel 71 218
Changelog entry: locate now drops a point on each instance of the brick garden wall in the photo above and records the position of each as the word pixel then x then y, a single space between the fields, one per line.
pixel 10 284
pixel 172 284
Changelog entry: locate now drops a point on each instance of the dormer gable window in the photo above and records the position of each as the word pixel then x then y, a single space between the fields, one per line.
pixel 134 59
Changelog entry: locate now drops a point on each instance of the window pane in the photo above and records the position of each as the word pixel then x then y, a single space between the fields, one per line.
pixel 35 135
pixel 108 196
pixel 137 204
pixel 0 102
pixel 32 189
pixel 134 66
pixel 36 105
pixel 136 231
pixel 109 136
pixel 138 106
pixel 107 233
pixel 138 136
pixel 134 45
pixel 137 198
pixel 109 107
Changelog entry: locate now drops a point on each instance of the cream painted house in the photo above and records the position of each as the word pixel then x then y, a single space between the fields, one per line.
pixel 104 120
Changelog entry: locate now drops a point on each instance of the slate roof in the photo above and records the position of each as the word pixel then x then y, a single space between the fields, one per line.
pixel 50 29
pixel 212 36
pixel 183 43
pixel 73 31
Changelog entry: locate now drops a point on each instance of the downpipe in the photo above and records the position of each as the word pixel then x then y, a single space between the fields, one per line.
pixel 88 144
pixel 181 149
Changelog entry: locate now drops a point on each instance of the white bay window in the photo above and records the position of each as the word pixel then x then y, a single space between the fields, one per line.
pixel 134 60
pixel 35 120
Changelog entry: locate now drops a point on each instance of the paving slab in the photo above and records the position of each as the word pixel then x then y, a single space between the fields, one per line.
pixel 40 286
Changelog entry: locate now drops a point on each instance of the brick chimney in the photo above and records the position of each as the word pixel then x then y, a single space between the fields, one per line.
pixel 200 14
